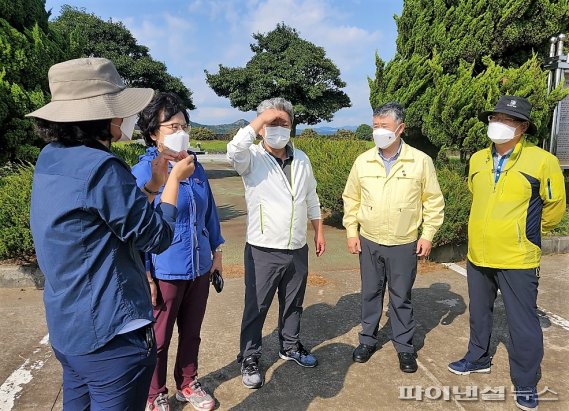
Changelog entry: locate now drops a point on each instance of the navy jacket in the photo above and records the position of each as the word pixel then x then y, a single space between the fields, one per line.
pixel 197 232
pixel 89 222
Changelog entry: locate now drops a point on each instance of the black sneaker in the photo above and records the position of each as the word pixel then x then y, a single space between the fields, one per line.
pixel 300 356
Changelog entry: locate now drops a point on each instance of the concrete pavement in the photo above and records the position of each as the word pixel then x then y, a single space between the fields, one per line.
pixel 31 376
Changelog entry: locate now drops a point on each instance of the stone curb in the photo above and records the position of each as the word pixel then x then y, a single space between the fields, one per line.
pixel 19 276
pixel 457 252
pixel 16 276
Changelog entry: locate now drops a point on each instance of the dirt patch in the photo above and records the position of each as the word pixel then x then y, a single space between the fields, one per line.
pixel 233 271
pixel 426 266
pixel 317 280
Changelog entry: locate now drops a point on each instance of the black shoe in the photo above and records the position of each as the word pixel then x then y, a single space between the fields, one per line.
pixel 363 352
pixel 407 361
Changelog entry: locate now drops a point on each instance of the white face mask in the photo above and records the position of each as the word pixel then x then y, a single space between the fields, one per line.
pixel 277 137
pixel 383 137
pixel 500 133
pixel 178 141
pixel 127 127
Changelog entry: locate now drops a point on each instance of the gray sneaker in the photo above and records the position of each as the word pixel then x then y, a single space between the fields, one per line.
pixel 250 373
pixel 160 403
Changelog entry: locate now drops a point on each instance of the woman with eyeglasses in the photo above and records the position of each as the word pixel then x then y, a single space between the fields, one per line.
pixel 179 277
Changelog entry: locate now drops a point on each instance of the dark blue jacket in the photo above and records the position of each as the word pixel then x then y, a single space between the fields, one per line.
pixel 89 223
pixel 197 232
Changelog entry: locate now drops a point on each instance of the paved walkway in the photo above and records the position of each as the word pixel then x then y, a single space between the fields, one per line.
pixel 31 376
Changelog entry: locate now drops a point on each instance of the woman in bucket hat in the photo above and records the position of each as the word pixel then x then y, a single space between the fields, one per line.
pixel 90 222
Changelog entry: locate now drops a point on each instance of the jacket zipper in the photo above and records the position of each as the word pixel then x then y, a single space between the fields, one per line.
pixel 549 188
pixel 261 216
pixel 292 191
pixel 194 230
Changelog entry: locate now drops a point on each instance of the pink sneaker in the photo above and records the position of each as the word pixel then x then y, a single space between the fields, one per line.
pixel 197 396
pixel 160 404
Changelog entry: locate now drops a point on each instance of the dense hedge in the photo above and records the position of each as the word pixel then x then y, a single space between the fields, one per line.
pixel 333 159
pixel 129 152
pixel 457 207
pixel 15 195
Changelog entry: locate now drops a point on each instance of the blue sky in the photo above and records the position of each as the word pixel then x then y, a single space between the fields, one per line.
pixel 192 35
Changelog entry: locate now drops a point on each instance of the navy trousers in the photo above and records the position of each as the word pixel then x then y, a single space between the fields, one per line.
pixel 268 271
pixel 114 377
pixel 519 292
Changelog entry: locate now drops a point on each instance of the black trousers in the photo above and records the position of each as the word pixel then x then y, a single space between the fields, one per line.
pixel 519 292
pixel 394 267
pixel 267 271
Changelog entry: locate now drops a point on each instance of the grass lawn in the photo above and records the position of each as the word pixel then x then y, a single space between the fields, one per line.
pixel 211 146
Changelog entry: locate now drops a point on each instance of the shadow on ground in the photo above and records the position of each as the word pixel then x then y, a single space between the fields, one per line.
pixel 228 212
pixel 291 387
pixel 433 306
pixel 320 322
pixel 214 174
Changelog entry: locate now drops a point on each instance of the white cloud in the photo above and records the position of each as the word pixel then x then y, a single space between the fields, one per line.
pixel 220 31
pixel 350 47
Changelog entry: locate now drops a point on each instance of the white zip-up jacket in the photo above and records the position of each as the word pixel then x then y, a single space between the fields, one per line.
pixel 277 211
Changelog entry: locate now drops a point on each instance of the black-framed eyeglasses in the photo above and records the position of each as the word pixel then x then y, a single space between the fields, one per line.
pixel 177 126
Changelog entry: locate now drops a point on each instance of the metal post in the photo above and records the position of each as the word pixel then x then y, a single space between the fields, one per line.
pixel 552 48
pixel 556 81
pixel 546 145
pixel 559 72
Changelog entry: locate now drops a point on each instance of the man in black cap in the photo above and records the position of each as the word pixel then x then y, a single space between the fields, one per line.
pixel 517 192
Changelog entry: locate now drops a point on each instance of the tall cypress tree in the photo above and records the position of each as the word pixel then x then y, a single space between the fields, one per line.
pixel 27 50
pixel 456 57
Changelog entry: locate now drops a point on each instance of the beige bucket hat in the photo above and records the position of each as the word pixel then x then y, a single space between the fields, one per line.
pixel 90 89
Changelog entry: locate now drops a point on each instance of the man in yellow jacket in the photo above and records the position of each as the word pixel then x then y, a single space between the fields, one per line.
pixel 518 192
pixel 391 191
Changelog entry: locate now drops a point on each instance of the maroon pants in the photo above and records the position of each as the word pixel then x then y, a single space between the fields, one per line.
pixel 182 302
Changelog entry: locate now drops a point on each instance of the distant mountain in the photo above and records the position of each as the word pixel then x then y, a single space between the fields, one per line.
pixel 227 128
pixel 222 128
pixel 326 130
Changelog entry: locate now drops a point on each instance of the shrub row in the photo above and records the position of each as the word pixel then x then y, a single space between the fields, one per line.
pixel 129 152
pixel 15 195
pixel 331 160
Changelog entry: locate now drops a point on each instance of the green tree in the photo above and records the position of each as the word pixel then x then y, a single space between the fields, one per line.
pixel 284 65
pixel 27 50
pixel 88 35
pixel 202 133
pixel 454 59
pixel 345 135
pixel 364 132
pixel 308 133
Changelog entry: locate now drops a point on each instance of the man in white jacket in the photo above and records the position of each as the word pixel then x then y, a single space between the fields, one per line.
pixel 280 191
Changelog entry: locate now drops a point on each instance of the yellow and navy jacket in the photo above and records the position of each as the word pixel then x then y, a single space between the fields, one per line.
pixel 389 208
pixel 509 214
